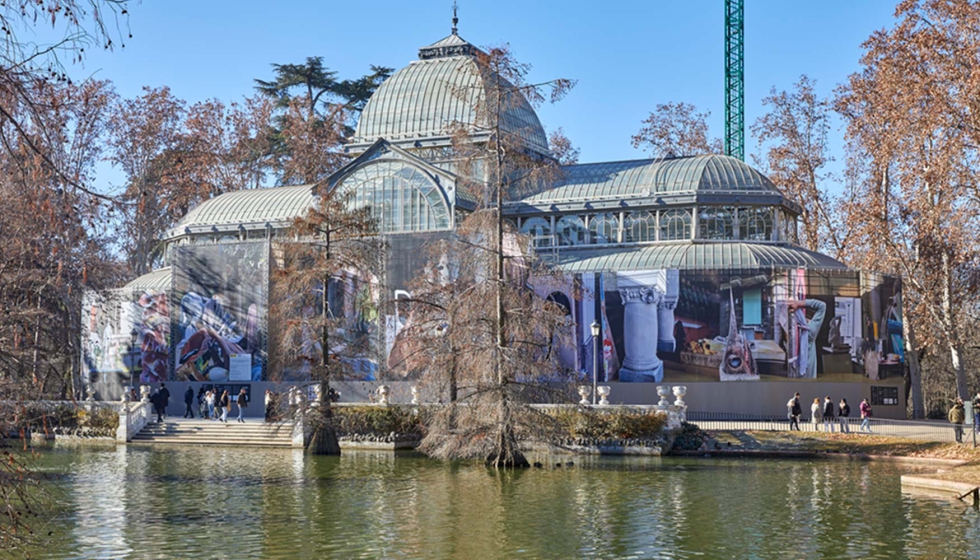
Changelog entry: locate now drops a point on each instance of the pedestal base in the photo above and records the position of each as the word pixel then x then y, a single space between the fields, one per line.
pixel 647 376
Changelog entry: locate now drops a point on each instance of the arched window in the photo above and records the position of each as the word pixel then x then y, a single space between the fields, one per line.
pixel 716 223
pixel 539 229
pixel 675 224
pixel 570 230
pixel 604 228
pixel 755 224
pixel 640 227
pixel 402 198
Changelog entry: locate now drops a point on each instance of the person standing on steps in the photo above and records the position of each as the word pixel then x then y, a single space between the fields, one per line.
pixel 794 411
pixel 815 414
pixel 844 411
pixel 865 416
pixel 211 400
pixel 164 398
pixel 956 417
pixel 225 405
pixel 189 402
pixel 242 401
pixel 156 399
pixel 828 414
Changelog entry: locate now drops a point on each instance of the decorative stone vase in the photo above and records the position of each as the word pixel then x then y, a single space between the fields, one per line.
pixel 583 391
pixel 679 392
pixel 145 393
pixel 663 391
pixel 383 392
pixel 415 394
pixel 603 392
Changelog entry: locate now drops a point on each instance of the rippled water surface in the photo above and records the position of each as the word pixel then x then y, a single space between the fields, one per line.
pixel 183 502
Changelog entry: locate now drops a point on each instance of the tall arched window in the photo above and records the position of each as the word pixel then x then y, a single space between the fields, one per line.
pixel 675 224
pixel 402 198
pixel 640 227
pixel 716 223
pixel 755 224
pixel 604 228
pixel 539 229
pixel 570 230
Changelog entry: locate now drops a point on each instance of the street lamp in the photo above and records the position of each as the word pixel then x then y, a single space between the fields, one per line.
pixel 595 359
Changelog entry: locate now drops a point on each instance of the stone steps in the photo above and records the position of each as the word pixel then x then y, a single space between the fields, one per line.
pixel 204 432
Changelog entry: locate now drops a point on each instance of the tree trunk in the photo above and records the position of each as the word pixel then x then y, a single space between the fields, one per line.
pixel 323 441
pixel 915 371
pixel 506 454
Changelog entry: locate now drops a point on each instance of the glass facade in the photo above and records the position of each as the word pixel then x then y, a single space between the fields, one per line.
pixel 675 224
pixel 401 197
pixel 604 228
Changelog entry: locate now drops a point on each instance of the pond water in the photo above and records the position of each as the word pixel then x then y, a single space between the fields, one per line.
pixel 195 502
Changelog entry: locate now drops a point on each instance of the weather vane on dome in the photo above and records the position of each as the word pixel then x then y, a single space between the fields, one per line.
pixel 455 19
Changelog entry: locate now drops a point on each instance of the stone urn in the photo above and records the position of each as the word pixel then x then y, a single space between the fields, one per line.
pixel 145 393
pixel 383 392
pixel 583 392
pixel 679 392
pixel 415 394
pixel 664 392
pixel 603 392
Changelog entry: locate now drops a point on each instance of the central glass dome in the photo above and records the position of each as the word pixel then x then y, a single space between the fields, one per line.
pixel 436 93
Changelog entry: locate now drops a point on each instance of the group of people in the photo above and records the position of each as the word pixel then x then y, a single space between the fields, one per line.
pixel 214 406
pixel 211 405
pixel 825 413
pixel 957 416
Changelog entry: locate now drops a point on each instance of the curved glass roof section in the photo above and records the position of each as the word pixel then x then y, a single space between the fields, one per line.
pixel 650 177
pixel 430 96
pixel 159 279
pixel 693 256
pixel 275 206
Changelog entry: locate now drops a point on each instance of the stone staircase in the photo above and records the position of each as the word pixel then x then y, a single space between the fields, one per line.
pixel 252 433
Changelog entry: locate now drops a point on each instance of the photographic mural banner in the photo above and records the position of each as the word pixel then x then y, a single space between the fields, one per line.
pixel 732 325
pixel 220 324
pixel 125 340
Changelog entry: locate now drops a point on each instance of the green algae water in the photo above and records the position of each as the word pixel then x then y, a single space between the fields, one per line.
pixel 196 502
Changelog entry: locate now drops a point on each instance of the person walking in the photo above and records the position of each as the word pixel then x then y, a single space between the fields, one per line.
pixel 866 413
pixel 815 414
pixel 189 402
pixel 211 400
pixel 164 397
pixel 976 412
pixel 844 410
pixel 242 401
pixel 794 411
pixel 828 414
pixel 156 399
pixel 225 405
pixel 202 406
pixel 957 416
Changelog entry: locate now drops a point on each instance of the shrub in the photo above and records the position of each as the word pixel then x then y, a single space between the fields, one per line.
pixel 377 420
pixel 611 424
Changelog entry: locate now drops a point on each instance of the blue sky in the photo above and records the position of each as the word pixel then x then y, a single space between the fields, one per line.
pixel 627 56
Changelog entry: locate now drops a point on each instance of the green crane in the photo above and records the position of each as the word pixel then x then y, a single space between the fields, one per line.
pixel 735 79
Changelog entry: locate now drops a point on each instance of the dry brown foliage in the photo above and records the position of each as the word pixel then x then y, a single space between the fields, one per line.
pixel 676 130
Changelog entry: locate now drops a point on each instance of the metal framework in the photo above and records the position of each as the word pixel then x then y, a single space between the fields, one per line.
pixel 735 79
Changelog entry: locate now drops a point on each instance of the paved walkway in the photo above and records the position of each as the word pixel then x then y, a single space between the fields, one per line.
pixel 925 431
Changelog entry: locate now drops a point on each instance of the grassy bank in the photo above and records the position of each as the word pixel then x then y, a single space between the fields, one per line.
pixel 852 444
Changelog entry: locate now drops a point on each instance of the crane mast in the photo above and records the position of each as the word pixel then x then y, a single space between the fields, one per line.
pixel 735 79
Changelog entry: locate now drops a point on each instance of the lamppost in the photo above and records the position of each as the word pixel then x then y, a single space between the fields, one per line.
pixel 595 359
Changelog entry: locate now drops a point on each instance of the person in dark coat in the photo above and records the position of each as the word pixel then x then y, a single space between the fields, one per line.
pixel 156 399
pixel 957 416
pixel 164 398
pixel 828 414
pixel 844 412
pixel 189 402
pixel 794 411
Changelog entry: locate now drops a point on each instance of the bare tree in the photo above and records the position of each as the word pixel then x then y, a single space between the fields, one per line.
pixel 495 326
pixel 677 129
pixel 912 117
pixel 792 136
pixel 336 250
